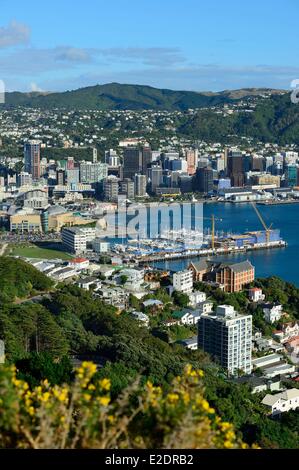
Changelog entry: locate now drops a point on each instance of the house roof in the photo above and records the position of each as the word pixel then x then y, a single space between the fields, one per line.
pixel 270 400
pixel 200 265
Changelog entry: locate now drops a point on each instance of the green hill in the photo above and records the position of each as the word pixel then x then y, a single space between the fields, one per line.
pixel 119 96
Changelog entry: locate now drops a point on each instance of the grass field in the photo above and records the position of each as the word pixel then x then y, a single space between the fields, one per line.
pixel 32 251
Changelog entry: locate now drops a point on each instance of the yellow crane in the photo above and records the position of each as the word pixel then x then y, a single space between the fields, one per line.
pixel 212 219
pixel 267 229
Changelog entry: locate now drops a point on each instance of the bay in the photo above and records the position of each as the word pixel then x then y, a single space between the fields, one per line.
pixel 238 218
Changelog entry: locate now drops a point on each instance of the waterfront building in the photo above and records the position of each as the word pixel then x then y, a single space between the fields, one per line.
pixel 235 168
pixel 227 336
pixel 204 180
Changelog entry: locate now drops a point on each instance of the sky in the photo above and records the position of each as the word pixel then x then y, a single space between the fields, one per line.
pixel 178 44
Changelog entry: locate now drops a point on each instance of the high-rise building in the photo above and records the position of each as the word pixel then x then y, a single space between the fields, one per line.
pixel 235 168
pixel 192 160
pixel 32 158
pixel 111 158
pixel 292 175
pixel 60 177
pixel 127 187
pixel 24 179
pixel 227 336
pixel 93 172
pixel 156 177
pixel 110 189
pixel 140 185
pixel 146 159
pixel 94 155
pixel 70 164
pixel 132 162
pixel 204 180
pixel 73 176
pixel 257 163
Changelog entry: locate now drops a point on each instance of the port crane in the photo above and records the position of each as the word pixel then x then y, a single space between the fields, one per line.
pixel 267 229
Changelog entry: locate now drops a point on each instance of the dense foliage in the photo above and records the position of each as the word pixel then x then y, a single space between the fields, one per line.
pixel 19 280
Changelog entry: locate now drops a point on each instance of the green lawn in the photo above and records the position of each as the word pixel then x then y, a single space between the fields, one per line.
pixel 33 251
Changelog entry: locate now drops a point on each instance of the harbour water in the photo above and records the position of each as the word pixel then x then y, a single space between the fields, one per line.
pixel 238 218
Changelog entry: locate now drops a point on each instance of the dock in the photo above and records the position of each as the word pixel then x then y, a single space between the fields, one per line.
pixel 166 256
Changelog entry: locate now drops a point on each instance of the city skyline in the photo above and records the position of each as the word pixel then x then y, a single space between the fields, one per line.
pixel 195 46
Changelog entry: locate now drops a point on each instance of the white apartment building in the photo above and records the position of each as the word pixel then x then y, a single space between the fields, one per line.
pixel 282 402
pixel 74 239
pixel 227 335
pixel 183 281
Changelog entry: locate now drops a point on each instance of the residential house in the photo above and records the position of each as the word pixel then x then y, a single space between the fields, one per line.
pixel 282 402
pixel 189 343
pixel 272 312
pixel 255 294
pixel 196 297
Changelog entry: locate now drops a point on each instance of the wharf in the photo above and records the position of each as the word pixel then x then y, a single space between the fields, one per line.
pixel 163 256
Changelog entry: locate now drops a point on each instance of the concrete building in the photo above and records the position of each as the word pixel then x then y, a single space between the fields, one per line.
pixel 196 297
pixel 140 185
pixel 183 281
pixel 74 239
pixel 227 336
pixel 93 172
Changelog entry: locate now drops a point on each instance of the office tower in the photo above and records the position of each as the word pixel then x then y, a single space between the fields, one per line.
pixel 110 189
pixel 156 177
pixel 111 158
pixel 132 162
pixel 227 336
pixel 32 158
pixel 235 168
pixel 291 175
pixel 94 155
pixel 140 185
pixel 60 177
pixel 146 159
pixel 269 164
pixel 70 164
pixel 257 163
pixel 73 176
pixel 93 172
pixel 192 160
pixel 203 181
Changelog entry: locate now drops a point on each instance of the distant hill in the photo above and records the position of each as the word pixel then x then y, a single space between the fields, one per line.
pixel 135 97
pixel 274 120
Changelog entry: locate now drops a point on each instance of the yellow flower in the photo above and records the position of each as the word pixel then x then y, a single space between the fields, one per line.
pixel 91 387
pixel 86 396
pixel 104 400
pixel 105 384
pixel 228 445
pixel 172 397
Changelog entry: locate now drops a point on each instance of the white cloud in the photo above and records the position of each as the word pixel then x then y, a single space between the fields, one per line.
pixel 14 34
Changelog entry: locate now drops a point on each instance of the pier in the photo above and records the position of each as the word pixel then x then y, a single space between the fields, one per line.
pixel 165 256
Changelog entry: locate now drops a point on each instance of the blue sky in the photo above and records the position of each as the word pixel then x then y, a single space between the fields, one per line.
pixel 178 44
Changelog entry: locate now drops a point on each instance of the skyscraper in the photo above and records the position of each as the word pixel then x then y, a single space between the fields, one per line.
pixel 140 185
pixel 93 172
pixel 192 160
pixel 235 168
pixel 204 180
pixel 32 158
pixel 146 159
pixel 132 162
pixel 227 335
